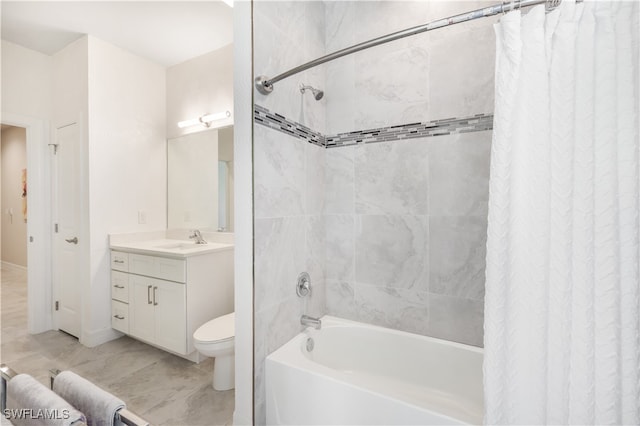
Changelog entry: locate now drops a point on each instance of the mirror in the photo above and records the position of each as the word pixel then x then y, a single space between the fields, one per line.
pixel 200 181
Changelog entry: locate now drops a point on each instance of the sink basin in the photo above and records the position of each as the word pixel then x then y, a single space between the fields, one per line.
pixel 181 246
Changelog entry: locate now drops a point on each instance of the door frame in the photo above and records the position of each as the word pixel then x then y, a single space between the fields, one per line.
pixel 39 254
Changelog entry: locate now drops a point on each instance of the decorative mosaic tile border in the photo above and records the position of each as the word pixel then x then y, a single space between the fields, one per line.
pixel 278 122
pixel 449 126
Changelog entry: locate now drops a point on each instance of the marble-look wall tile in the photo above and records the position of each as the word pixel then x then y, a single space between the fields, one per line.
pixel 457 257
pixel 339 28
pixel 435 75
pixel 462 83
pixel 340 94
pixel 280 256
pixel 453 318
pixel 392 178
pixel 279 174
pixel 459 174
pixel 391 86
pixel 289 189
pixel 340 297
pixel 314 179
pixel 339 181
pixel 378 18
pixel 274 326
pixel 392 251
pixel 340 247
pixel 288 34
pixel 314 248
pixel 397 308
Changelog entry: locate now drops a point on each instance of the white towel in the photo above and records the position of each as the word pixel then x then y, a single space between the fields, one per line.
pixel 99 406
pixel 29 402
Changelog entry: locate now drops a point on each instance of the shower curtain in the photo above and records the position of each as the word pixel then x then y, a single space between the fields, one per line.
pixel 562 286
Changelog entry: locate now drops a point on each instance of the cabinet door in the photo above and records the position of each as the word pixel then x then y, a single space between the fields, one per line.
pixel 170 315
pixel 141 309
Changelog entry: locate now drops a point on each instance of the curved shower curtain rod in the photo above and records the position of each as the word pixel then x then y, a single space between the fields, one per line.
pixel 265 85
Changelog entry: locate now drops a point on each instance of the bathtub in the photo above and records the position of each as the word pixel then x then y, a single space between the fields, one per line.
pixel 362 374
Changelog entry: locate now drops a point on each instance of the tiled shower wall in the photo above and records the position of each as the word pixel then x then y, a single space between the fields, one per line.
pixel 406 220
pixel 288 182
pixel 392 233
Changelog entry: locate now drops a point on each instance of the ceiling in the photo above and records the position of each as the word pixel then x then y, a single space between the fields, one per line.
pixel 165 32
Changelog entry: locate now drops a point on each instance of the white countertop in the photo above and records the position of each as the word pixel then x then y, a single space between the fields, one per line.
pixel 169 247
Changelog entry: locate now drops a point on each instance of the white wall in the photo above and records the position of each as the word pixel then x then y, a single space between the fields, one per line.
pixel 199 86
pixel 126 161
pixel 14 225
pixel 26 81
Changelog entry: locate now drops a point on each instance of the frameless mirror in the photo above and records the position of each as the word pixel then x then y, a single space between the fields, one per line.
pixel 200 181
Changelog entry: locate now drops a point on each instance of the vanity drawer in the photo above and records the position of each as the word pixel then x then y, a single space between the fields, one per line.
pixel 120 286
pixel 158 267
pixel 120 316
pixel 120 261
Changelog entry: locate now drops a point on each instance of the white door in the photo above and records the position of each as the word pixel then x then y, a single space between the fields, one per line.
pixel 67 244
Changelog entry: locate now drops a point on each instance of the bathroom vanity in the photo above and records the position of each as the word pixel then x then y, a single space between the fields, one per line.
pixel 163 290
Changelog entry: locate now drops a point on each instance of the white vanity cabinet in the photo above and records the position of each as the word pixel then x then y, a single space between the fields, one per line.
pixel 158 312
pixel 162 300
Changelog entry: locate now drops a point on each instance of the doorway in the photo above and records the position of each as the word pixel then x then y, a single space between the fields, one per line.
pixel 13 204
pixel 38 238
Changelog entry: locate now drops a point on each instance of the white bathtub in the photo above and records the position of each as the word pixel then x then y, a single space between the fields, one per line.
pixel 363 374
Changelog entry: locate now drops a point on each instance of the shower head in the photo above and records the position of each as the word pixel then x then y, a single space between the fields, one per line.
pixel 317 93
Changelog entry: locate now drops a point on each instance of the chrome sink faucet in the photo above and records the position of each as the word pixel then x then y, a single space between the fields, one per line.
pixel 198 237
pixel 308 321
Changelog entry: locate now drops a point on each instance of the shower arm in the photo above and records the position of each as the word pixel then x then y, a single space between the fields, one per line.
pixel 265 85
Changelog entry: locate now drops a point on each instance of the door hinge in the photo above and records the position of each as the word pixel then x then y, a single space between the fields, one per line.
pixel 55 226
pixel 57 305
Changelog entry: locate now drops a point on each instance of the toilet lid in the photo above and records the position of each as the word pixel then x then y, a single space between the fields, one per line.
pixel 221 328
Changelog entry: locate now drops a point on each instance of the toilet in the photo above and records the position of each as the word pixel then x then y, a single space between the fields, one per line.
pixel 215 339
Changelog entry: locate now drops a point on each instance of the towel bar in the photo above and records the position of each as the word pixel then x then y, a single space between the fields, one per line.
pixel 7 373
pixel 125 416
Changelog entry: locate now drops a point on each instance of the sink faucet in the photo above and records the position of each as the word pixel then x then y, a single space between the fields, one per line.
pixel 308 321
pixel 198 237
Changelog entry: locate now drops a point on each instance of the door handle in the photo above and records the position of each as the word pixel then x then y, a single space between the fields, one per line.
pixel 154 296
pixel 149 295
pixel 118 317
pixel 118 286
pixel 73 240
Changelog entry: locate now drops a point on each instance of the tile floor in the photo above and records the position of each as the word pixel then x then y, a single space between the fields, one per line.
pixel 161 387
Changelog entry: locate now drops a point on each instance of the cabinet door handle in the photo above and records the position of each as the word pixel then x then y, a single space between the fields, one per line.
pixel 118 286
pixel 154 296
pixel 149 294
pixel 118 261
pixel 118 317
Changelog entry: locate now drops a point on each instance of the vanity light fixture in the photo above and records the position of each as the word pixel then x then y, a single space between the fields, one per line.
pixel 205 120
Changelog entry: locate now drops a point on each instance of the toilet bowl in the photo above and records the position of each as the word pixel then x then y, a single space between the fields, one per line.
pixel 215 339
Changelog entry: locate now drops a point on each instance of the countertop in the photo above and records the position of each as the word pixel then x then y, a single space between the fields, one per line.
pixel 170 248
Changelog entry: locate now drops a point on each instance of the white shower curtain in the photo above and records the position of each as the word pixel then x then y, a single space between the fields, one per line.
pixel 562 300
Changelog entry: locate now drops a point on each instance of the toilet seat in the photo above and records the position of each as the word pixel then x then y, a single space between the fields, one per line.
pixel 217 330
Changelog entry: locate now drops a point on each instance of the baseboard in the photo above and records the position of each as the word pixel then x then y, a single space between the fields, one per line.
pixel 96 338
pixel 12 266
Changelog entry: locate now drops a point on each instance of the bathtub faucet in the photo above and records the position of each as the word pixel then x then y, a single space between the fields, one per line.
pixel 308 321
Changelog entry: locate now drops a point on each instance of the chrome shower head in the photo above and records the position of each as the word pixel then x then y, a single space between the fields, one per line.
pixel 317 93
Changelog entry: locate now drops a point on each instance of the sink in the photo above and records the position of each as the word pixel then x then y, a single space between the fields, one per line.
pixel 181 246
